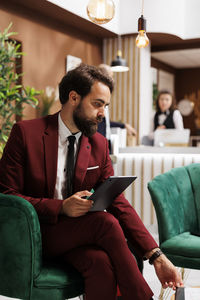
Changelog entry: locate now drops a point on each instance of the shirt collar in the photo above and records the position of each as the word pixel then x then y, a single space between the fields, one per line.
pixel 167 112
pixel 64 132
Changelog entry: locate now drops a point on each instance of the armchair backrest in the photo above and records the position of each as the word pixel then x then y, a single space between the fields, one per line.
pixel 20 245
pixel 194 173
pixel 174 195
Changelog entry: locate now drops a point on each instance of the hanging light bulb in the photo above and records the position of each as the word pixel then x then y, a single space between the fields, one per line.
pixel 100 11
pixel 142 40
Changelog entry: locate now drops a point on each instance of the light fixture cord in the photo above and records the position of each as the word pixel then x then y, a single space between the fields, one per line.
pixel 142 7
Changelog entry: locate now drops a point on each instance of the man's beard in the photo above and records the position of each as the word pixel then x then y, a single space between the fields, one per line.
pixel 88 126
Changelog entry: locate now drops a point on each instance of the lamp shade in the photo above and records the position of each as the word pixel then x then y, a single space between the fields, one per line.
pixel 100 11
pixel 119 64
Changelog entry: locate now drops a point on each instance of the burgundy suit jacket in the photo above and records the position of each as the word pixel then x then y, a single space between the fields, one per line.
pixel 28 169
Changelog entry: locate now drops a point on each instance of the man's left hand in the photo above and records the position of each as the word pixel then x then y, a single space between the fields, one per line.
pixel 167 273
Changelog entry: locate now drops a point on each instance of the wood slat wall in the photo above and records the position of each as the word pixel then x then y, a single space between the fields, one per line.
pixel 125 96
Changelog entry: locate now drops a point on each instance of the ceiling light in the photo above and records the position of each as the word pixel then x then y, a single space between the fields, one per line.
pixel 142 40
pixel 100 11
pixel 119 64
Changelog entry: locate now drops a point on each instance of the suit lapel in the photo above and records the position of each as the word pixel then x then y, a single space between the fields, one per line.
pixel 50 139
pixel 82 163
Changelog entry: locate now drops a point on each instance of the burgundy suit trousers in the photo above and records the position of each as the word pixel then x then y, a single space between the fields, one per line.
pixel 96 246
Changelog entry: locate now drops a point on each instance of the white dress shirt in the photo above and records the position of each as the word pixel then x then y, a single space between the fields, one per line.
pixel 107 117
pixel 63 133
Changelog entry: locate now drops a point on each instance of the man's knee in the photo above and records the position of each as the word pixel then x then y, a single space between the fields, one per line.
pixel 101 261
pixel 97 261
pixel 106 220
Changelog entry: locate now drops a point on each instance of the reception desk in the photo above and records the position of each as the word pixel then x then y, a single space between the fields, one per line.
pixel 147 162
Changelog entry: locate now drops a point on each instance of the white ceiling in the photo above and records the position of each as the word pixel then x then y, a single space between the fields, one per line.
pixel 187 58
pixel 177 17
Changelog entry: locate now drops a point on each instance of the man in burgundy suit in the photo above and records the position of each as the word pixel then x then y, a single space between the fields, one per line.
pixel 33 166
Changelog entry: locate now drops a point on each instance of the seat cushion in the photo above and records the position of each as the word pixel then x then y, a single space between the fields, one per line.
pixel 57 282
pixel 55 275
pixel 183 250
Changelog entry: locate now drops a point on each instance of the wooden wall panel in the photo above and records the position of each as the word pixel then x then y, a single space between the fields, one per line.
pixel 124 97
pixel 46 48
pixel 187 84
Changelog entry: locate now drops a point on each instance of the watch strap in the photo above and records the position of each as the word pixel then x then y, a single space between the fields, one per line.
pixel 156 254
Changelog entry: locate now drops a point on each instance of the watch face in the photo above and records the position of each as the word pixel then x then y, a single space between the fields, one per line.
pixel 185 106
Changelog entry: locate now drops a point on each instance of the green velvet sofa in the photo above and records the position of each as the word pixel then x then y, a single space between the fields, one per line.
pixel 176 198
pixel 23 273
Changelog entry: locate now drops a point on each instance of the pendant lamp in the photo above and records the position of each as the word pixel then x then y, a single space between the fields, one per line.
pixel 142 40
pixel 100 11
pixel 119 64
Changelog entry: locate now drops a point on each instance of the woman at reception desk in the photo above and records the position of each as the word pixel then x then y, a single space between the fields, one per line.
pixel 167 117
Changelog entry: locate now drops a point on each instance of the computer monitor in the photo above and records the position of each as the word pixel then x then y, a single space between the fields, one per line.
pixel 171 137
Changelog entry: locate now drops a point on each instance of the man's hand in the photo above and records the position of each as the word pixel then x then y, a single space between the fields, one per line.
pixel 167 273
pixel 130 130
pixel 75 205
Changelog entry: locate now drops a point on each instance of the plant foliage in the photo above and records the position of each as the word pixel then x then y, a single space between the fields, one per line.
pixel 12 94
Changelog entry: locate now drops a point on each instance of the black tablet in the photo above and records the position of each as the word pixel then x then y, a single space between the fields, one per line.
pixel 112 187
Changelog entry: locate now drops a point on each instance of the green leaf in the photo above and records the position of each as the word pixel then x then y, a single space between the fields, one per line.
pixel 12 94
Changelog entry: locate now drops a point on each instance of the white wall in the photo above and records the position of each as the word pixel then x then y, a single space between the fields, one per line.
pixel 192 23
pixel 162 16
pixel 165 81
pixel 145 92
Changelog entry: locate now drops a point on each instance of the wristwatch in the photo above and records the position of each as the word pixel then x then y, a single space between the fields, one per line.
pixel 156 254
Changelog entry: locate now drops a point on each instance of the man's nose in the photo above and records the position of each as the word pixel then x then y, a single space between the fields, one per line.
pixel 101 112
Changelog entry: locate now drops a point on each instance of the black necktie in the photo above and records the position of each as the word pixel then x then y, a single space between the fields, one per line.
pixel 70 165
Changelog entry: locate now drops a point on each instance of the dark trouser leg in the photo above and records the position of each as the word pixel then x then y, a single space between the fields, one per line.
pixel 103 230
pixel 96 268
pixel 138 258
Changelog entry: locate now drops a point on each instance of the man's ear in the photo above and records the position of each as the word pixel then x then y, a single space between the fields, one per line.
pixel 74 98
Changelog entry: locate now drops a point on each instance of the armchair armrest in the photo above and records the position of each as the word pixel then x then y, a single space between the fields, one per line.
pixel 20 246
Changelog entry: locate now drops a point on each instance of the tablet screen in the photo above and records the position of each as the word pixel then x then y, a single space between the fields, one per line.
pixel 112 187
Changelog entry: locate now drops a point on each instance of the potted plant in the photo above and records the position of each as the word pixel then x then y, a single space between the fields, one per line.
pixel 12 94
pixel 47 99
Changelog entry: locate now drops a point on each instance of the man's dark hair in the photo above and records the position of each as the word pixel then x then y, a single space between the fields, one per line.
pixel 81 80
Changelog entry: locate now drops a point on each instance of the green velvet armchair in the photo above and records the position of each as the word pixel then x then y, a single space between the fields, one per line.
pixel 23 273
pixel 176 198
